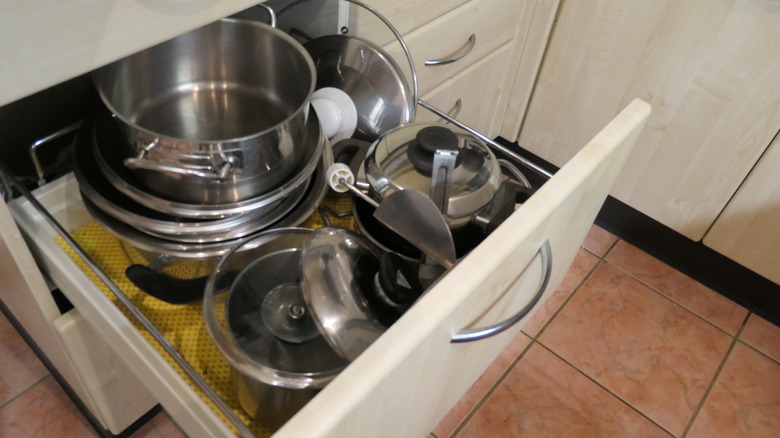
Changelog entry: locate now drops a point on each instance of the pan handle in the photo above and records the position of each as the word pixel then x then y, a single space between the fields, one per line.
pixel 545 255
pixel 214 172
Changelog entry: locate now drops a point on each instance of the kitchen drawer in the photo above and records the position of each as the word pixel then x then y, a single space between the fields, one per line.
pixel 492 22
pixel 407 380
pixel 479 90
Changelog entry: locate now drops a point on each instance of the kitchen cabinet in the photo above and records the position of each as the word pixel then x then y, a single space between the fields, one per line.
pixel 711 70
pixel 748 230
pixel 413 374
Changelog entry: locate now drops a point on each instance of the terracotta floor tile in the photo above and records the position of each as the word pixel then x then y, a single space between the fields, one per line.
pixel 694 296
pixel 159 427
pixel 19 366
pixel 763 336
pixel 43 411
pixel 581 266
pixel 745 400
pixel 481 387
pixel 652 353
pixel 598 241
pixel 545 397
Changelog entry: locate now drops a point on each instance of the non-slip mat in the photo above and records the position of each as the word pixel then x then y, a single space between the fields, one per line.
pixel 181 325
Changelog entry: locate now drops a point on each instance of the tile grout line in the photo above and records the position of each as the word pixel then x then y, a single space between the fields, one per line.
pixel 715 378
pixel 565 302
pixel 668 298
pixel 743 342
pixel 607 390
pixel 492 389
pixel 22 392
pixel 512 365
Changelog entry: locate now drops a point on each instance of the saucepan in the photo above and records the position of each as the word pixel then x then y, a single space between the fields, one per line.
pixel 215 107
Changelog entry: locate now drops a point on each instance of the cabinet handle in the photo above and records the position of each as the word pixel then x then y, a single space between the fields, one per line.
pixel 545 255
pixel 456 57
pixel 456 108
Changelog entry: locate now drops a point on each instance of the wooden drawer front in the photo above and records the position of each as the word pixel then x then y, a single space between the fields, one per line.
pixel 482 92
pixel 410 377
pixel 493 23
pixel 405 15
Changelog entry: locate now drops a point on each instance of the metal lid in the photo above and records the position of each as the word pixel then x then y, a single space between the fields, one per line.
pixel 392 164
pixel 337 266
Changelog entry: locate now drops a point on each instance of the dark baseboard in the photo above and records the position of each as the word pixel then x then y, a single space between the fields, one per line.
pixel 693 259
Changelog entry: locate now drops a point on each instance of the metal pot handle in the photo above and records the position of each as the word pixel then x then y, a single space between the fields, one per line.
pixel 212 171
pixel 545 255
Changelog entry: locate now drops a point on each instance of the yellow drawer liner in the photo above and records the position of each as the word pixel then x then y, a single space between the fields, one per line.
pixel 182 325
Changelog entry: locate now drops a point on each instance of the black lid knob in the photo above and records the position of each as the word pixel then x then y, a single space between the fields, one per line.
pixel 429 140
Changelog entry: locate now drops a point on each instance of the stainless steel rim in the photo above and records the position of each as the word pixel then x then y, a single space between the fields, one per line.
pixel 313 142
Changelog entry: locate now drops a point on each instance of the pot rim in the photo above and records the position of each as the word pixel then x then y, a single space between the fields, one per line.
pixel 303 108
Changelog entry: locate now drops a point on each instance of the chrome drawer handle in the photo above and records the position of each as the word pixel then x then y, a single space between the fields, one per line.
pixel 456 57
pixel 545 254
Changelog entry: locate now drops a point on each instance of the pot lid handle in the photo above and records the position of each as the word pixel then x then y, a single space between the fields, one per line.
pixel 428 141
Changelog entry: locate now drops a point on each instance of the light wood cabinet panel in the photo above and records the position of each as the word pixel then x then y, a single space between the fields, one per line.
pixel 711 70
pixel 748 230
pixel 493 22
pixel 43 43
pixel 481 90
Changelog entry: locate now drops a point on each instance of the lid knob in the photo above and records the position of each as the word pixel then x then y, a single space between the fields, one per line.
pixel 429 140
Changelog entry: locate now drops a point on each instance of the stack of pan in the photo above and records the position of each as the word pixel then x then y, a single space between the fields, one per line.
pixel 205 140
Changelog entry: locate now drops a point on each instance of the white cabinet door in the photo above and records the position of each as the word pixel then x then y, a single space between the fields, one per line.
pixel 748 230
pixel 43 43
pixel 711 70
pixel 407 380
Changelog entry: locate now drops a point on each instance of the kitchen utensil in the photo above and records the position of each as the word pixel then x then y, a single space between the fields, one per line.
pixel 369 77
pixel 261 325
pixel 353 290
pixel 214 106
pixel 196 259
pixel 95 186
pixel 106 133
pixel 403 158
pixel 409 213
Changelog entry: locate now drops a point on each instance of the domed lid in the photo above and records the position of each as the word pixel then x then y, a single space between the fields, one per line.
pixel 353 290
pixel 403 159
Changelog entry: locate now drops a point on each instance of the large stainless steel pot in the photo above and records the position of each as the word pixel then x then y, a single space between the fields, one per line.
pixel 215 106
pixel 261 324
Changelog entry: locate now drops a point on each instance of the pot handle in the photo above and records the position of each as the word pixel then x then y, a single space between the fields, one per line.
pixel 271 14
pixel 545 255
pixel 173 290
pixel 207 172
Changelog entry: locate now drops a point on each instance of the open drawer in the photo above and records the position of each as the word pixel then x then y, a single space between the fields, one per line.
pixel 412 375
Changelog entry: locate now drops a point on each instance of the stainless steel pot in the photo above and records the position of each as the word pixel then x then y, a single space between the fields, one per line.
pixel 262 326
pixel 105 134
pixel 217 105
pixel 457 170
